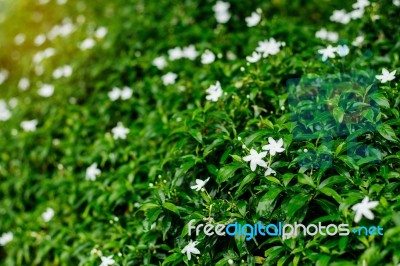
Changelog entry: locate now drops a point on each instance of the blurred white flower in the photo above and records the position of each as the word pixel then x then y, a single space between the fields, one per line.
pixel 255 57
pixel 361 4
pixel 13 102
pixel 269 171
pixel 40 39
pixel 323 34
pixel 190 52
pixel 3 75
pixel 23 84
pixel 386 76
pixel 221 10
pixel 191 248
pixel 255 159
pixel 119 132
pixel 342 50
pixel 340 16
pixel 199 184
pixel 46 90
pixel 396 2
pixel 6 238
pixel 169 78
pixel 269 47
pixel 114 94
pixel 253 20
pixel 5 114
pixel 39 56
pixel 106 261
pixel 92 172
pixel 364 209
pixel 126 93
pixel 175 53
pixel 207 57
pixel 328 52
pixel 359 40
pixel 64 29
pixel 274 146
pixel 29 125
pixel 87 44
pixel 101 32
pixel 19 39
pixel 64 71
pixel 43 2
pixel 214 92
pixel 48 214
pixel 62 2
pixel 160 62
pixel 357 13
pixel 332 36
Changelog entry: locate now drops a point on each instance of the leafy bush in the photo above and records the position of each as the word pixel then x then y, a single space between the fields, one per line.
pixel 122 121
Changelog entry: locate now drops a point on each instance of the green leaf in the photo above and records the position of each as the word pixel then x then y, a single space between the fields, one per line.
pixel 305 179
pixel 266 200
pixel 228 171
pixel 171 207
pixel 387 132
pixel 380 99
pixel 296 203
pixel 338 114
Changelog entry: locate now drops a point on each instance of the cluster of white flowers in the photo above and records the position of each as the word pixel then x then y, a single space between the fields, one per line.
pixel 323 34
pixel 160 62
pixel 188 52
pixel 41 55
pixel 264 49
pixel 329 52
pixel 29 125
pixel 341 16
pixel 124 94
pixel 169 78
pixel 48 215
pixel 221 12
pixel 214 92
pixel 207 57
pixel 253 19
pixel 63 71
pixel 5 238
pixel 255 158
pixel 64 29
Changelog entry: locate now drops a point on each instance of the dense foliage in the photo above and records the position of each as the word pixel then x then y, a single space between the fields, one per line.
pixel 111 110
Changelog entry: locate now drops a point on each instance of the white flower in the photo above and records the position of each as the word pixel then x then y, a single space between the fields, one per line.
pixel 214 91
pixel 92 172
pixel 342 50
pixel 5 114
pixel 48 214
pixel 3 75
pixel 322 34
pixel 270 171
pixel 396 2
pixel 87 44
pixel 40 39
pixel 190 52
pixel 29 125
pixel 340 16
pixel 114 94
pixel 255 57
pixel 221 10
pixel 23 84
pixel 274 146
pixel 120 132
pixel 106 261
pixel 46 90
pixel 199 184
pixel 175 53
pixel 190 248
pixel 332 36
pixel 160 62
pixel 19 39
pixel 359 40
pixel 6 238
pixel 255 159
pixel 207 57
pixel 364 209
pixel 386 75
pixel 269 47
pixel 328 52
pixel 101 32
pixel 64 71
pixel 357 13
pixel 361 4
pixel 169 78
pixel 253 20
pixel 126 93
pixel 230 261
